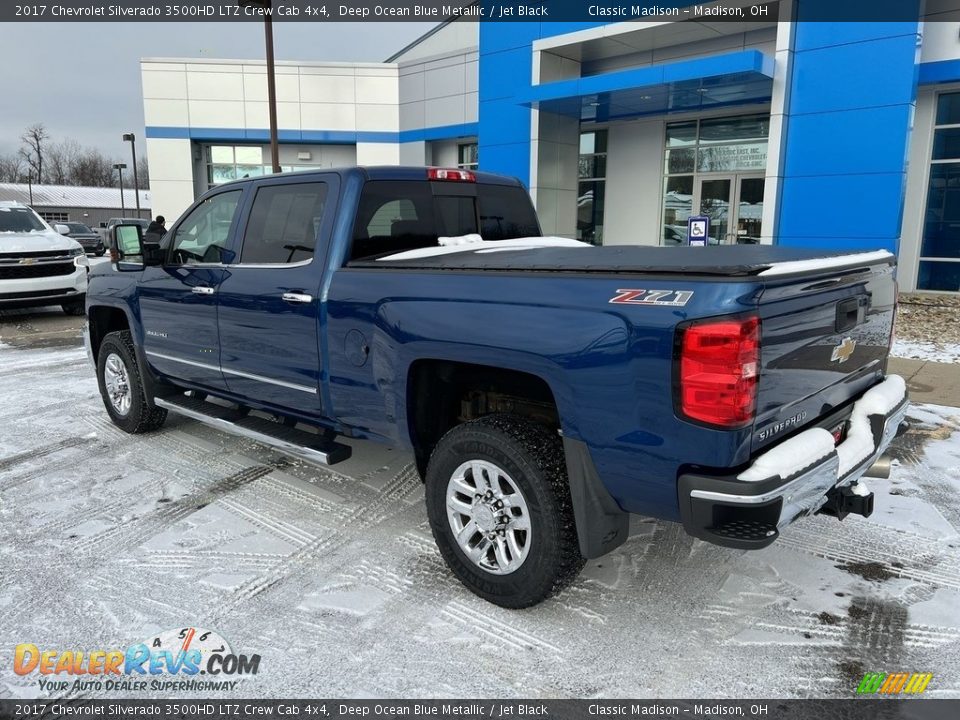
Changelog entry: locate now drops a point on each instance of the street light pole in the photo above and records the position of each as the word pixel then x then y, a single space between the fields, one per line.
pixel 136 181
pixel 120 167
pixel 266 6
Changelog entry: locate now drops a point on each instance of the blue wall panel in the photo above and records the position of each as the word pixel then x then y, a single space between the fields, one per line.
pixel 850 107
pixel 844 147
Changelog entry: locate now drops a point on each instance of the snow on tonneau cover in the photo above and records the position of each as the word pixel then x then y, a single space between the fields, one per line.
pixel 826 318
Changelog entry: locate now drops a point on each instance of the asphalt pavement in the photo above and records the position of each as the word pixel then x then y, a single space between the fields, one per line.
pixel 331 575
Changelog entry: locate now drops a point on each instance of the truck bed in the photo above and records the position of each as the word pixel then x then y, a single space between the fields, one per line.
pixel 728 260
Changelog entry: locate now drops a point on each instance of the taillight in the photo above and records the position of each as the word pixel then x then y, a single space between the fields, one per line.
pixel 719 370
pixel 451 174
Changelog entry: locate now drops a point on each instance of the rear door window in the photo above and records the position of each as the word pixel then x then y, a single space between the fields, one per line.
pixel 284 224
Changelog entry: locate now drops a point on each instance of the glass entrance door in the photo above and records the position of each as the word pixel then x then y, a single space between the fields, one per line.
pixel 713 195
pixel 749 209
pixel 734 205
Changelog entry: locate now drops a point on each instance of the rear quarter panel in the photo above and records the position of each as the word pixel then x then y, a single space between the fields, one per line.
pixel 609 366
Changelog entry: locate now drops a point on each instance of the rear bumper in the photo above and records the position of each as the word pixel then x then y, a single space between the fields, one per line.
pixel 794 478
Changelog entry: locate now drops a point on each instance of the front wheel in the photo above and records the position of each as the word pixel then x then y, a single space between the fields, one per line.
pixel 121 386
pixel 499 507
pixel 75 307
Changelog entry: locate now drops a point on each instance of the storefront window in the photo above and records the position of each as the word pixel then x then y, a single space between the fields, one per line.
pixel 715 167
pixel 468 156
pixel 591 189
pixel 236 162
pixel 940 248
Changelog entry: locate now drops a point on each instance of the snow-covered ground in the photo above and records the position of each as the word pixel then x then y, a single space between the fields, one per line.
pixel 924 350
pixel 331 575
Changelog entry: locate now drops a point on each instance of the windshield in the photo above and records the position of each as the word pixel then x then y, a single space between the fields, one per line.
pixel 78 228
pixel 19 219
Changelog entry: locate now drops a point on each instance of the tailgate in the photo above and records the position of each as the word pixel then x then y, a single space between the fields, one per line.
pixel 825 339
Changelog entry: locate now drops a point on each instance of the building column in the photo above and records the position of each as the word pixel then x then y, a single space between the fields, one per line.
pixel 554 163
pixel 847 121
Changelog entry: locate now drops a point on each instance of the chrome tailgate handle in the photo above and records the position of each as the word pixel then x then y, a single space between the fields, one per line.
pixel 202 290
pixel 295 297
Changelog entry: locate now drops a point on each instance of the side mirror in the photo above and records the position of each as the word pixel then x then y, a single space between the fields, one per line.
pixel 126 247
pixel 62 229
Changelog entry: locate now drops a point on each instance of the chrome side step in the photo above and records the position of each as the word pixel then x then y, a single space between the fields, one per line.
pixel 290 440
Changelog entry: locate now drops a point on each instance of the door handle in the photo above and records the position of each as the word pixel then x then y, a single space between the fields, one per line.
pixel 295 297
pixel 202 290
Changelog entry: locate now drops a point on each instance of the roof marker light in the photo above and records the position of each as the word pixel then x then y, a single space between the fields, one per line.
pixel 450 174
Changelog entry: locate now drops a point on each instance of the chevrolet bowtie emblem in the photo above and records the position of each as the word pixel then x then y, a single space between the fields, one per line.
pixel 842 352
pixel 27 261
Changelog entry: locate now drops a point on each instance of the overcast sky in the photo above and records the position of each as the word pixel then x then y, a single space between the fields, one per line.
pixel 82 80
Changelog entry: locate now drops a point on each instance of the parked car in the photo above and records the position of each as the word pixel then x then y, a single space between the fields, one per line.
pixel 546 388
pixel 91 241
pixel 38 265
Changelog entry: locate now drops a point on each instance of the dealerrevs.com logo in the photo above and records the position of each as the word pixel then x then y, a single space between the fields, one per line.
pixel 170 661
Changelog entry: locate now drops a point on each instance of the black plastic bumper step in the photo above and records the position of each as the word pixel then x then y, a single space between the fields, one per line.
pixel 299 443
pixel 747 531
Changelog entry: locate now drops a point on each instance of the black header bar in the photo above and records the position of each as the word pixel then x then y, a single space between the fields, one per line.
pixel 469 10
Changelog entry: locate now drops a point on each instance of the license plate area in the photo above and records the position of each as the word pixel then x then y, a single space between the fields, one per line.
pixel 839 432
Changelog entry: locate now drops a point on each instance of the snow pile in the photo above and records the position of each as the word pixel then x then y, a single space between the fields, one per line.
pixel 803 450
pixel 878 400
pixel 466 243
pixel 795 266
pixel 790 457
pixel 460 240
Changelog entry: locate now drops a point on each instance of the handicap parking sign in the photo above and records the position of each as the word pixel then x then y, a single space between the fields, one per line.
pixel 698 228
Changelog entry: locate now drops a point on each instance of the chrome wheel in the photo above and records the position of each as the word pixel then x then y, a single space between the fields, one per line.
pixel 489 517
pixel 117 382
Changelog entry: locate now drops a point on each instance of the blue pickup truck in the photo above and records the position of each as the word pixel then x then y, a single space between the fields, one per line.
pixel 547 389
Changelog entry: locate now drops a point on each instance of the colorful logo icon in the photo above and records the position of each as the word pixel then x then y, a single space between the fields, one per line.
pixel 894 683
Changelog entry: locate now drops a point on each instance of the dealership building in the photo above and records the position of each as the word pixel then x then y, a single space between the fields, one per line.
pixel 780 130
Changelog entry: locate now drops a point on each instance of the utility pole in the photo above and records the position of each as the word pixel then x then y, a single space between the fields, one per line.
pixel 120 167
pixel 131 138
pixel 266 7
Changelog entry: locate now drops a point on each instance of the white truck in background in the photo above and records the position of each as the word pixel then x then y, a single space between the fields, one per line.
pixel 38 265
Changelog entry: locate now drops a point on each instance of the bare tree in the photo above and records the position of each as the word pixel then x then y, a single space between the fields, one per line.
pixel 143 172
pixel 93 169
pixel 34 139
pixel 61 161
pixel 12 169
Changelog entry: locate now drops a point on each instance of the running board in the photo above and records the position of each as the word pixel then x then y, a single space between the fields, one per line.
pixel 290 440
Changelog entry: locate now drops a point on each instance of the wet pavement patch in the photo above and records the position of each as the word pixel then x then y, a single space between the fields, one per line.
pixel 873 571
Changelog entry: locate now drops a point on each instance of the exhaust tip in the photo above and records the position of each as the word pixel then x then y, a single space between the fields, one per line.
pixel 880 469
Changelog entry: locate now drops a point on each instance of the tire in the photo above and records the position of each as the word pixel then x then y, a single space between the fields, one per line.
pixel 528 459
pixel 75 307
pixel 117 367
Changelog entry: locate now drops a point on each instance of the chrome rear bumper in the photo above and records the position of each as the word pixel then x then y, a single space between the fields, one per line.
pixel 794 478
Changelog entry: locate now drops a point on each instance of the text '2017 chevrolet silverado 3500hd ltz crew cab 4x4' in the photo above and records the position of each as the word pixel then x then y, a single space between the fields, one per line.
pixel 546 388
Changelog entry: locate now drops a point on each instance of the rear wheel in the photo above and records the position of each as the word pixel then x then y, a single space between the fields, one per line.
pixel 121 386
pixel 499 507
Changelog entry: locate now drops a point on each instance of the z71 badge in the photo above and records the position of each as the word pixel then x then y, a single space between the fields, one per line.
pixel 661 298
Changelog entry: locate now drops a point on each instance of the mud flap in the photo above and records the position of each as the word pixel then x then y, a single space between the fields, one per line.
pixel 602 525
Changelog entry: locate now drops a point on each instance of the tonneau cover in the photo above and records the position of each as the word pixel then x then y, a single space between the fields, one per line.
pixel 726 260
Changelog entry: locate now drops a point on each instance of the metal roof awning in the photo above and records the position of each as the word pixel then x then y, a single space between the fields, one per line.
pixel 737 78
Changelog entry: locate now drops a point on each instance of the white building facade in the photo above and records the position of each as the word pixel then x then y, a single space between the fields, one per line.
pixel 832 135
